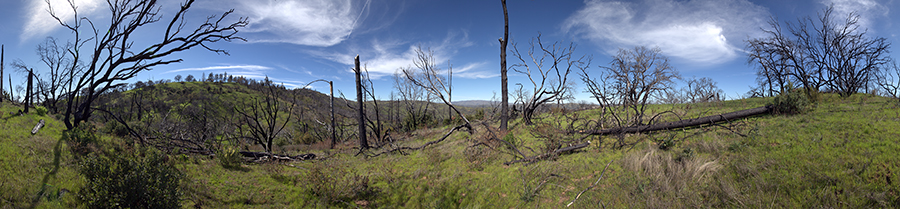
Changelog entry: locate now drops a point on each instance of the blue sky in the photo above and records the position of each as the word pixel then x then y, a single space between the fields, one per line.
pixel 295 42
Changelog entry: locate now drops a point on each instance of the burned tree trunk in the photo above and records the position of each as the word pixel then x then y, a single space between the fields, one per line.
pixel 28 95
pixel 37 127
pixel 682 123
pixel 2 55
pixel 363 143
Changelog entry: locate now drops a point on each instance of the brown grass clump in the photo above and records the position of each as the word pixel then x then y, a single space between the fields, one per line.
pixel 667 178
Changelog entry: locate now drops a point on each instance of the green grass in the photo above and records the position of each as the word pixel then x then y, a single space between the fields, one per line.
pixel 34 168
pixel 841 153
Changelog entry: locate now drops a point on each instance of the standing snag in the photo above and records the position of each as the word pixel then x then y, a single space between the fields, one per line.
pixel 829 51
pixel 633 79
pixel 548 71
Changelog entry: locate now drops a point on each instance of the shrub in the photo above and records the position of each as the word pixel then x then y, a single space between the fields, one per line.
pixel 229 157
pixel 792 101
pixel 81 138
pixel 335 185
pixel 118 181
pixel 40 110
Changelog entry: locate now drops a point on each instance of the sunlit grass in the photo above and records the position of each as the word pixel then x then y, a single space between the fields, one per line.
pixel 841 153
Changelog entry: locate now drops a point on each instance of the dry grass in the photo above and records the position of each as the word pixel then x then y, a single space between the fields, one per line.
pixel 667 178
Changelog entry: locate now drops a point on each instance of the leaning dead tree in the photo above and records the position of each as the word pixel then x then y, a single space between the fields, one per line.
pixel 109 53
pixel 427 75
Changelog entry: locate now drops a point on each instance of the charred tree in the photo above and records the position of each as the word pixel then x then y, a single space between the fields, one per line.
pixel 2 67
pixel 548 74
pixel 504 101
pixel 363 143
pixel 112 57
pixel 28 94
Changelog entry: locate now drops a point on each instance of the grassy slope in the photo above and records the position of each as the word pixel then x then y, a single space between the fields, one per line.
pixel 34 168
pixel 842 154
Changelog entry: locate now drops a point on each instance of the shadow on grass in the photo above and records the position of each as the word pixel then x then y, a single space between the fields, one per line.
pixel 57 154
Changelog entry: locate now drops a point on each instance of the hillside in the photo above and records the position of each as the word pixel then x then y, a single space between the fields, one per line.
pixel 840 153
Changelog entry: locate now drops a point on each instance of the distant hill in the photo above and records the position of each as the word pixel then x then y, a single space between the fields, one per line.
pixel 475 103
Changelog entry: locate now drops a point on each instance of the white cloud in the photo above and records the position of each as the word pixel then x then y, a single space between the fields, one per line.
pixel 255 69
pixel 385 58
pixel 302 22
pixel 703 32
pixel 471 71
pixel 866 9
pixel 39 23
pixel 248 71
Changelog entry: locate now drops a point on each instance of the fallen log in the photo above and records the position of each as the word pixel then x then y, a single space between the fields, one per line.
pixel 681 123
pixel 37 127
pixel 264 155
pixel 546 155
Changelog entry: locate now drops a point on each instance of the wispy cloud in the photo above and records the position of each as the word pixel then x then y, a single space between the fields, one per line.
pixel 382 58
pixel 704 32
pixel 474 70
pixel 302 22
pixel 38 22
pixel 256 69
pixel 866 9
pixel 256 72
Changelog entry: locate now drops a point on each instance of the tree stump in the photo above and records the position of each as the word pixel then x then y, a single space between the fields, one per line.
pixel 37 127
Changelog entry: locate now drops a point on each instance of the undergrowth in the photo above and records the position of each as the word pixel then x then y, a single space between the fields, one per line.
pixel 837 153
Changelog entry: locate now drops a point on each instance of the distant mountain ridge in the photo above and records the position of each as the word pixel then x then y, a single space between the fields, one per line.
pixel 475 103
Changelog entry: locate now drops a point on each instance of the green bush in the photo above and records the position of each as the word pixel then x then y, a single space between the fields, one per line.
pixel 40 110
pixel 229 157
pixel 118 181
pixel 115 128
pixel 81 138
pixel 792 101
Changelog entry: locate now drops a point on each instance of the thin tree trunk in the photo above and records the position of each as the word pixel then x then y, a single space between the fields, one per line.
pixel 28 90
pixel 2 55
pixel 363 143
pixel 331 105
pixel 504 106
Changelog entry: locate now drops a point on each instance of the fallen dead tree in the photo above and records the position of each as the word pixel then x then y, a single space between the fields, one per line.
pixel 549 154
pixel 681 123
pixel 264 156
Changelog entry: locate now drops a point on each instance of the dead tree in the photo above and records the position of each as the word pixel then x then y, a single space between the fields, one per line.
pixel 112 57
pixel 262 118
pixel 378 130
pixel 681 123
pixel 431 80
pixel 52 83
pixel 825 52
pixel 772 69
pixel 504 101
pixel 2 67
pixel 548 73
pixel 888 78
pixel 702 90
pixel 415 99
pixel 29 97
pixel 633 78
pixel 363 143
